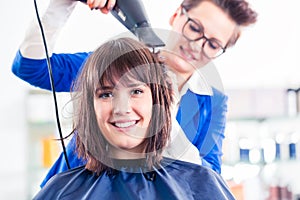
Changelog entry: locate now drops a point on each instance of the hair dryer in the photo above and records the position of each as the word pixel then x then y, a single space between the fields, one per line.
pixel 132 14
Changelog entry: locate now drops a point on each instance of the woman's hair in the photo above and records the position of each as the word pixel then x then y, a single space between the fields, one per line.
pixel 111 62
pixel 238 10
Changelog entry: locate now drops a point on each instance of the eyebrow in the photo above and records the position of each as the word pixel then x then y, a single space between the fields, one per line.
pixel 136 84
pixel 131 85
pixel 103 88
pixel 201 24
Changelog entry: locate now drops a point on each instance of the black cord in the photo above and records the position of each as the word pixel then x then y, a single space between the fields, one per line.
pixel 52 86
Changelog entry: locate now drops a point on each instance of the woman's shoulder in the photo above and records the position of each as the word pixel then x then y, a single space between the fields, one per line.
pixel 202 180
pixel 191 168
pixel 173 179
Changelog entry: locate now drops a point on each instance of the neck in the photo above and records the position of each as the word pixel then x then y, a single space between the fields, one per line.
pixel 119 153
pixel 181 79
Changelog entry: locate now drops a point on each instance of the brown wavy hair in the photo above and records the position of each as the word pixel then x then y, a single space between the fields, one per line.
pixel 107 64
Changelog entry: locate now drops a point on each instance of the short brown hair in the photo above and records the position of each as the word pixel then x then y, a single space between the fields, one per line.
pixel 108 63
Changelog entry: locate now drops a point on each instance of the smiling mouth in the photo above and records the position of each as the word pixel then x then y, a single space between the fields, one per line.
pixel 186 53
pixel 124 124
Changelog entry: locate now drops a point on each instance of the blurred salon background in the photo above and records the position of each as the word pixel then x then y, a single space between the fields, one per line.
pixel 260 75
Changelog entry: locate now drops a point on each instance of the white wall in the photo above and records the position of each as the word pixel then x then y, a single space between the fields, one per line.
pixel 266 55
pixel 12 133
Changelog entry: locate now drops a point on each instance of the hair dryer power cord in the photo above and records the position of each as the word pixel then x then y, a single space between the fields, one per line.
pixel 52 86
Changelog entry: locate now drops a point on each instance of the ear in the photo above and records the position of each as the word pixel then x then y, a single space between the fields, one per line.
pixel 173 17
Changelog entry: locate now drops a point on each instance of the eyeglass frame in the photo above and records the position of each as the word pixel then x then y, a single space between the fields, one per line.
pixel 223 49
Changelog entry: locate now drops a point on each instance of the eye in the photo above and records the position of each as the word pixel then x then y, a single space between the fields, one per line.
pixel 105 95
pixel 193 26
pixel 137 91
pixel 213 44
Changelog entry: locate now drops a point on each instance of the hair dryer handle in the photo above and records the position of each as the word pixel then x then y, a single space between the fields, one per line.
pixel 132 14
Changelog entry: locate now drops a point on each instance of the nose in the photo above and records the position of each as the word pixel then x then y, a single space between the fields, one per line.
pixel 121 104
pixel 197 46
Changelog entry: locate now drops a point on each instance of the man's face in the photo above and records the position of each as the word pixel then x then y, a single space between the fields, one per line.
pixel 214 24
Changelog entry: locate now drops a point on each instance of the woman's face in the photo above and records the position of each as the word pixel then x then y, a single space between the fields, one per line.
pixel 123 114
pixel 216 25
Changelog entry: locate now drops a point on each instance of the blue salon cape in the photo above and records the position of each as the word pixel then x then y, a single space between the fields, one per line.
pixel 172 180
pixel 202 117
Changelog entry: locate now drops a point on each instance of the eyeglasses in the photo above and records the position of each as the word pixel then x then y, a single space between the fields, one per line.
pixel 194 31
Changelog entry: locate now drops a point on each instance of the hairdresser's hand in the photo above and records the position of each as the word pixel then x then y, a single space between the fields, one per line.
pixel 103 5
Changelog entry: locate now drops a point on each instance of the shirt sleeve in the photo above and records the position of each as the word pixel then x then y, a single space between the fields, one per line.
pixel 64 67
pixel 211 146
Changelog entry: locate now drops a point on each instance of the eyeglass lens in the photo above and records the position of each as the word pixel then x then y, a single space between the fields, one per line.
pixel 194 31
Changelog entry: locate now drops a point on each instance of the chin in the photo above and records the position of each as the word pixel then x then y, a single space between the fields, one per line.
pixel 128 146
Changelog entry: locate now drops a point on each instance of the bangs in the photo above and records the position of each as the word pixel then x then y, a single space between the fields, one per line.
pixel 129 60
pixel 126 68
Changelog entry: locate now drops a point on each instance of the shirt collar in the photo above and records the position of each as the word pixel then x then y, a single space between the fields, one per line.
pixel 197 84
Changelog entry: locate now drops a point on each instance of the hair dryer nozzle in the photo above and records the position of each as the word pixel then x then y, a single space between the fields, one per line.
pixel 148 37
pixel 132 14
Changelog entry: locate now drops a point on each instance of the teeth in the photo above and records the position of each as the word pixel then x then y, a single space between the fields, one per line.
pixel 187 54
pixel 125 124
